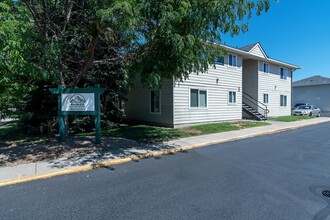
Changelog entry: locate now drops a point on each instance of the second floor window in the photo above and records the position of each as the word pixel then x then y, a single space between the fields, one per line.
pixel 220 61
pixel 266 68
pixel 232 60
pixel 283 73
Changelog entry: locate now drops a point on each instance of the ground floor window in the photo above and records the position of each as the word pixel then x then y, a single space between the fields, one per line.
pixel 155 101
pixel 283 100
pixel 232 97
pixel 198 98
pixel 266 98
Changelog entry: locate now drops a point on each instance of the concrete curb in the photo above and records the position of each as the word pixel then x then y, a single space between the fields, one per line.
pixel 142 156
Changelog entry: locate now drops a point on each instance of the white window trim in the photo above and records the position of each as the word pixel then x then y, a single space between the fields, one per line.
pixel 160 102
pixel 283 72
pixel 232 103
pixel 207 98
pixel 235 58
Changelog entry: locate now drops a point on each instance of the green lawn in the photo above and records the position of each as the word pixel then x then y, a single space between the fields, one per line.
pixel 140 133
pixel 290 118
pixel 151 134
pixel 222 127
pixel 12 131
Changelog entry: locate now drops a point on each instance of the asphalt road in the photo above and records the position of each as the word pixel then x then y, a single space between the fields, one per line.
pixel 278 176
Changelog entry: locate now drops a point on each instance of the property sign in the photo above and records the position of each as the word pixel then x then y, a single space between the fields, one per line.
pixel 78 102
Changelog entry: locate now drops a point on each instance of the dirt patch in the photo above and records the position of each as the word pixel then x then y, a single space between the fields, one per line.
pixel 192 131
pixel 74 151
pixel 13 153
pixel 239 125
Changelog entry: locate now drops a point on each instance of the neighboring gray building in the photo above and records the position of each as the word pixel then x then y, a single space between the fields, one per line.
pixel 244 83
pixel 313 90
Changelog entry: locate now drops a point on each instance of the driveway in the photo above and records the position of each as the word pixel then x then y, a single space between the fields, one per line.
pixel 325 114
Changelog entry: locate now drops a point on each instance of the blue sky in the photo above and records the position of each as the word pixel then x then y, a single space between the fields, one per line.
pixel 294 31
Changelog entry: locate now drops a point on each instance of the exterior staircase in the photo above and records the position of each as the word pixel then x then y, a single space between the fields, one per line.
pixel 253 113
pixel 260 114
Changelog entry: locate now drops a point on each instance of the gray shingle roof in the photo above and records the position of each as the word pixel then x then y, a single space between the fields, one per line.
pixel 247 48
pixel 312 81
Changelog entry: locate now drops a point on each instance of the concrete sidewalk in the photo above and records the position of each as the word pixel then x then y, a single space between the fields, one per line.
pixel 60 166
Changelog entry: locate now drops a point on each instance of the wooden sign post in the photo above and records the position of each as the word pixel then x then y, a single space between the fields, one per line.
pixel 78 101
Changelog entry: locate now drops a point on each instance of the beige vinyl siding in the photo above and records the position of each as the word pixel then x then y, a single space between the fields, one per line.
pixel 257 51
pixel 272 84
pixel 218 108
pixel 318 95
pixel 137 107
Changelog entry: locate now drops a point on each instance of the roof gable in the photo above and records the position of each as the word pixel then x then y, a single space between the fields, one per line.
pixel 255 49
pixel 256 52
pixel 312 81
pixel 247 48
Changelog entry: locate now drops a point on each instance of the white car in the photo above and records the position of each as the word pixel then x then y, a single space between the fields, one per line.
pixel 307 110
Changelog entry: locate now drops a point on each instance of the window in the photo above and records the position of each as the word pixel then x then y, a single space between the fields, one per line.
pixel 283 100
pixel 232 60
pixel 265 98
pixel 198 98
pixel 155 101
pixel 220 61
pixel 232 97
pixel 283 73
pixel 266 68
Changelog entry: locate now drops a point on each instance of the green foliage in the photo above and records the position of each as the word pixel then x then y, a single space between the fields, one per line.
pixel 80 43
pixel 178 37
pixel 40 107
pixel 13 132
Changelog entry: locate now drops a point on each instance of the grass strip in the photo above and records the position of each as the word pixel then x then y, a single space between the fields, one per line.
pixel 152 134
pixel 290 118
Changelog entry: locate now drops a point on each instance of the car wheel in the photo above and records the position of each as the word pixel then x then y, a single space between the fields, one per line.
pixel 310 114
pixel 318 115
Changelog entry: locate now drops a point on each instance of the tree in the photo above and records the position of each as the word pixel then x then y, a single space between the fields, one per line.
pixel 82 42
pixel 15 71
pixel 158 39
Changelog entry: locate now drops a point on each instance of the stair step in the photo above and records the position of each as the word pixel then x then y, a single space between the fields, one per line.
pixel 254 113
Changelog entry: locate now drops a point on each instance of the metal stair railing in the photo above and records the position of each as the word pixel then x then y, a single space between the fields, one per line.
pixel 257 103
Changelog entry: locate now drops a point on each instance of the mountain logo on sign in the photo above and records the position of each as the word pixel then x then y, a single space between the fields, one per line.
pixel 77 100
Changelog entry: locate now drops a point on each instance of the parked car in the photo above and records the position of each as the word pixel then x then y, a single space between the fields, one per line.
pixel 298 104
pixel 307 110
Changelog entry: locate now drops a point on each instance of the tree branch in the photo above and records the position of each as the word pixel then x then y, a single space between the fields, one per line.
pixel 91 52
pixel 35 18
